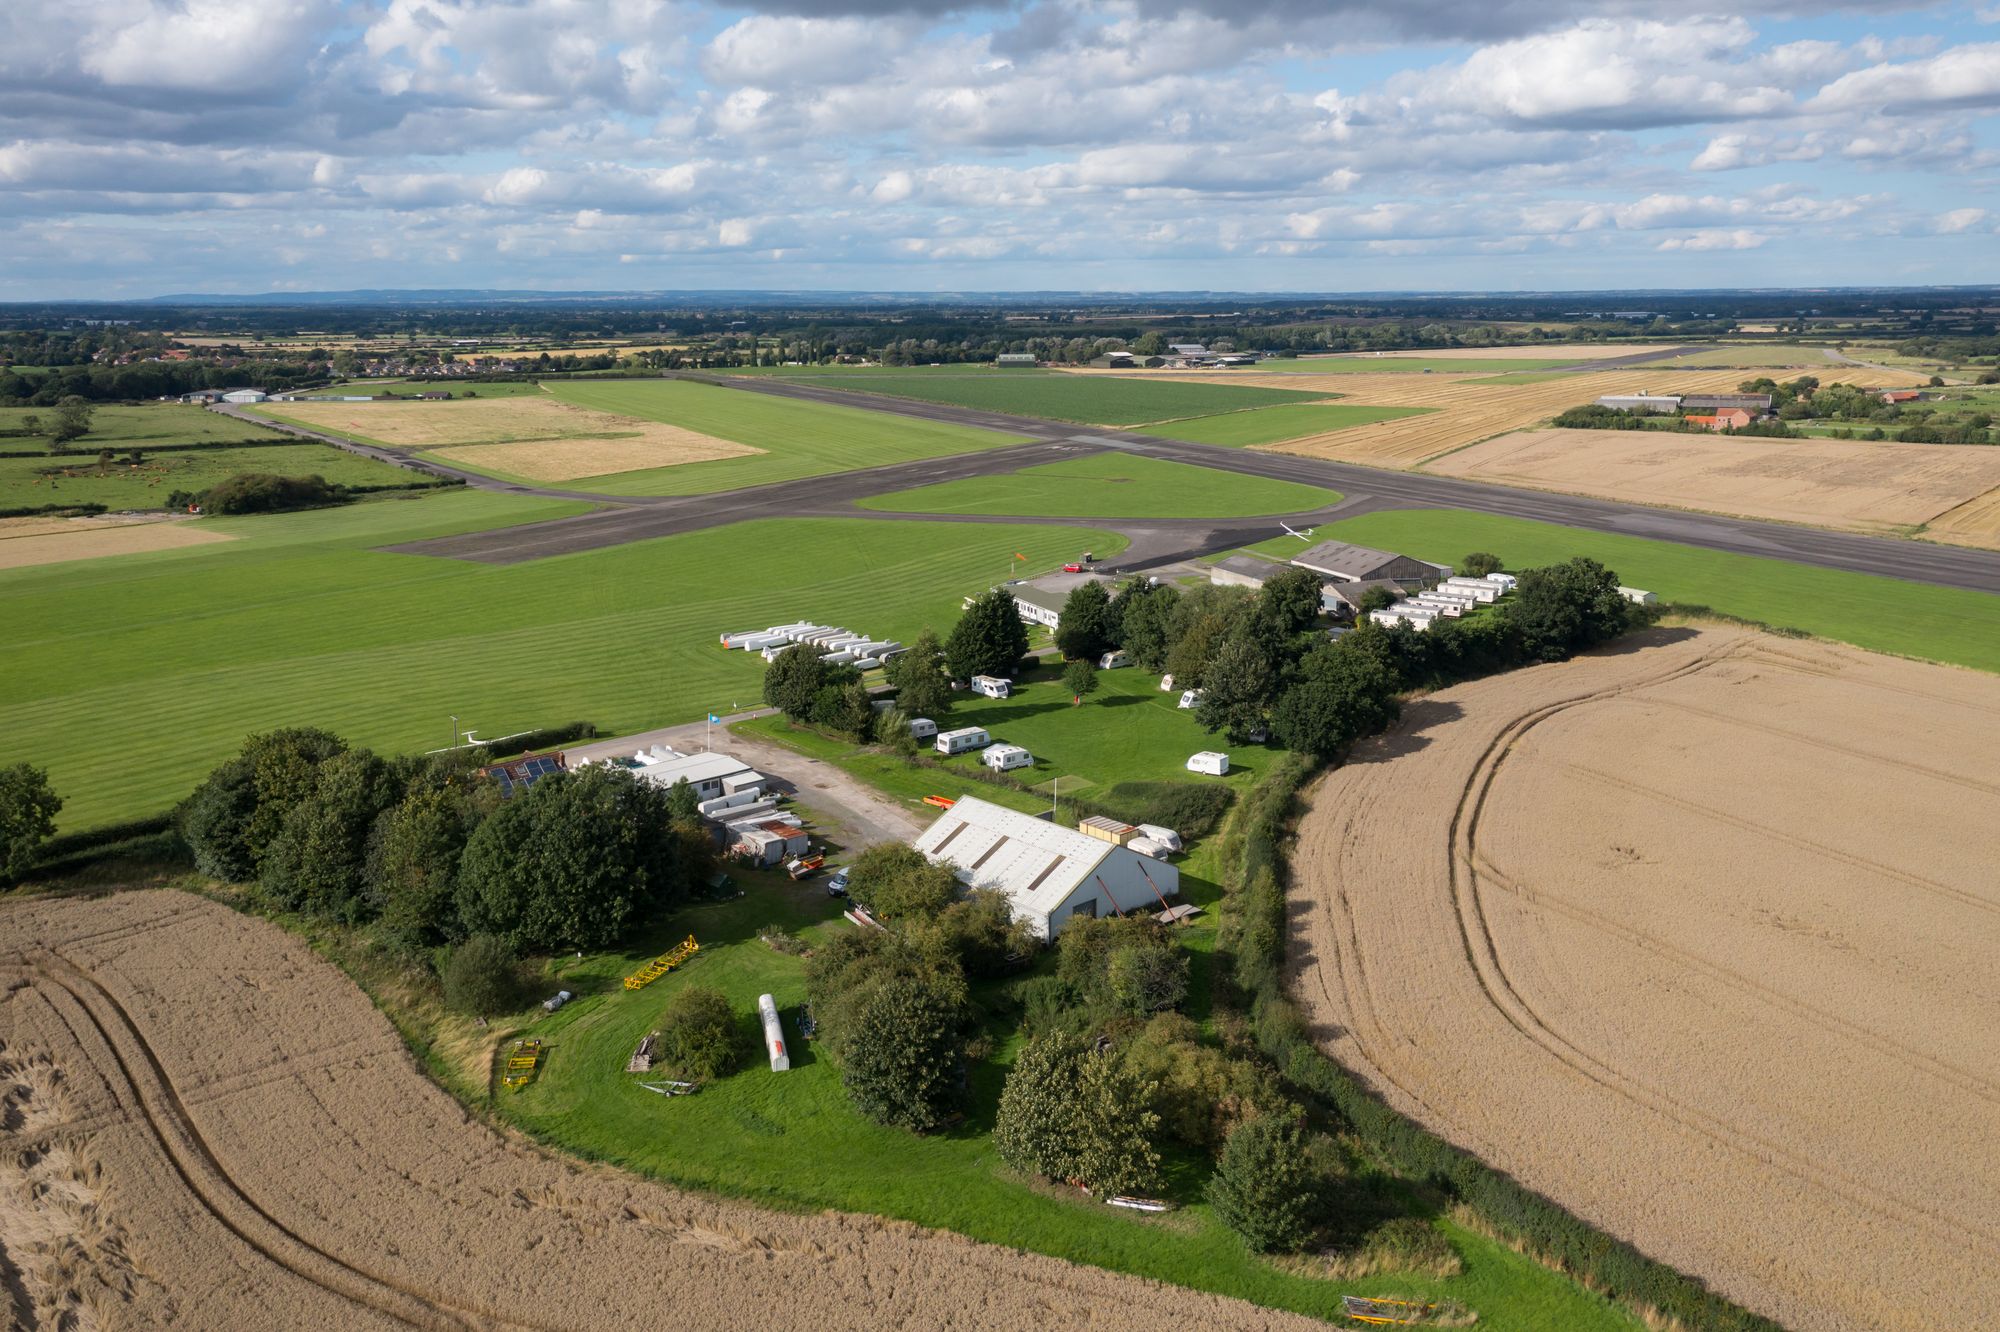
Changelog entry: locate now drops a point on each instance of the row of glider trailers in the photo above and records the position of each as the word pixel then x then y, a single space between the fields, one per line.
pixel 839 646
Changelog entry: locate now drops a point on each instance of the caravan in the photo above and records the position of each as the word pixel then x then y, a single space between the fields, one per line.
pixel 963 739
pixel 1006 758
pixel 993 686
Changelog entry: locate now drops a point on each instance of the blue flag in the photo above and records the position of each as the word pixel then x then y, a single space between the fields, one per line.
pixel 712 718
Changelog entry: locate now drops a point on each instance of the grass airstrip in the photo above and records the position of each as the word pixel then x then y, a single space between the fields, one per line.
pixel 1272 425
pixel 1108 400
pixel 1111 485
pixel 129 678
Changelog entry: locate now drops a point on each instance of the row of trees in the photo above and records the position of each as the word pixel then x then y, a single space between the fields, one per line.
pixel 433 850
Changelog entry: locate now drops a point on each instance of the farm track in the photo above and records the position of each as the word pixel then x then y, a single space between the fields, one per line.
pixel 245 1143
pixel 1505 985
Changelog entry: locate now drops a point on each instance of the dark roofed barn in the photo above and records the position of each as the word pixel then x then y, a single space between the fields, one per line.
pixel 1344 563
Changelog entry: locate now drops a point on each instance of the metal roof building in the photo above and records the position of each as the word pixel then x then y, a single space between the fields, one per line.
pixel 1242 571
pixel 1346 563
pixel 1048 873
pixel 1662 404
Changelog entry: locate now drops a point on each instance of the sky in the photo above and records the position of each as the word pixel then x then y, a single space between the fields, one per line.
pixel 156 146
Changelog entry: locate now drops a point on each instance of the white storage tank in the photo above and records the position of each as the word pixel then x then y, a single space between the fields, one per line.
pixel 774 1033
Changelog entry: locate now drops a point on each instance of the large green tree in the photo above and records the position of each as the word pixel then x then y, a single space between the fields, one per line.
pixel 1343 693
pixel 28 809
pixel 1564 608
pixel 1069 1113
pixel 906 1063
pixel 1289 601
pixel 922 684
pixel 1238 687
pixel 317 862
pixel 414 853
pixel 71 421
pixel 574 861
pixel 1145 620
pixel 1087 627
pixel 989 639
pixel 1267 1187
pixel 794 679
pixel 896 880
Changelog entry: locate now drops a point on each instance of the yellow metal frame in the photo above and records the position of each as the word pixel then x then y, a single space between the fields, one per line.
pixel 523 1064
pixel 662 964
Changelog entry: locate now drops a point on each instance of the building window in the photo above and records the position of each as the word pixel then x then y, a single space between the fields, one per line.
pixel 1085 909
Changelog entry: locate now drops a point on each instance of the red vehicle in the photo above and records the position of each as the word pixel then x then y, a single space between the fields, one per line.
pixel 1072 568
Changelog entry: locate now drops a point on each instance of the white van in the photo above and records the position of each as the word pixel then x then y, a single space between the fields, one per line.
pixel 1006 758
pixel 993 686
pixel 963 739
pixel 1209 761
pixel 1190 697
pixel 922 728
pixel 1113 659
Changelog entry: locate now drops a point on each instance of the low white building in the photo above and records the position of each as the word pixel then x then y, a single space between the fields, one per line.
pixel 1048 873
pixel 710 775
pixel 245 395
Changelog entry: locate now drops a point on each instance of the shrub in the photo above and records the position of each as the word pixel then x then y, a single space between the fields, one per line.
pixel 263 492
pixel 980 933
pixel 479 977
pixel 905 1061
pixel 1479 563
pixel 1068 1113
pixel 1122 966
pixel 1267 1187
pixel 547 738
pixel 897 881
pixel 28 808
pixel 698 1036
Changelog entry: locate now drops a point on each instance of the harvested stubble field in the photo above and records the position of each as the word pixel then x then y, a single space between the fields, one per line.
pixel 537 439
pixel 1869 487
pixel 209 1126
pixel 58 540
pixel 1695 936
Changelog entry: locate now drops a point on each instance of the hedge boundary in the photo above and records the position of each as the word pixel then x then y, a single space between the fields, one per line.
pixel 1251 948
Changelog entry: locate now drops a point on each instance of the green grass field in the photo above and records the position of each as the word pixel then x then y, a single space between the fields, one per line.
pixel 800 438
pixel 1270 425
pixel 1390 365
pixel 1088 399
pixel 1129 730
pixel 119 426
pixel 77 479
pixel 1111 485
pixel 129 678
pixel 793 1139
pixel 1885 614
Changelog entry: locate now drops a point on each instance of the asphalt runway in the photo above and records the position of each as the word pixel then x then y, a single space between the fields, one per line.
pixel 1163 541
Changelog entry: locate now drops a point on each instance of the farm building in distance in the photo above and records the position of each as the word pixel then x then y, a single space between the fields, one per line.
pixel 1662 403
pixel 1754 403
pixel 1343 600
pixel 245 395
pixel 1242 571
pixel 1344 563
pixel 1732 418
pixel 1048 873
pixel 1040 600
pixel 1015 359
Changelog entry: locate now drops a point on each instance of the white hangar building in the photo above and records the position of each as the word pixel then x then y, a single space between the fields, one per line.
pixel 1049 873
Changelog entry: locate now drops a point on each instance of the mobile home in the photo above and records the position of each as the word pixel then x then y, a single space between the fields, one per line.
pixel 963 739
pixel 993 686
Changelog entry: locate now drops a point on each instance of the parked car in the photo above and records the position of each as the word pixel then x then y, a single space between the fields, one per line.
pixel 1072 568
pixel 837 885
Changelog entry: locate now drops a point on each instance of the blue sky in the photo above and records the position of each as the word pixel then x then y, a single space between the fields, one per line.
pixel 154 146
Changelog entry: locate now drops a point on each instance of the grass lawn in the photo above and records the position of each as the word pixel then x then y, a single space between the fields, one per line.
pixel 1107 400
pixel 794 1140
pixel 1389 365
pixel 114 425
pixel 1127 731
pixel 1111 485
pixel 130 677
pixel 1269 425
pixel 76 478
pixel 1884 614
pixel 800 438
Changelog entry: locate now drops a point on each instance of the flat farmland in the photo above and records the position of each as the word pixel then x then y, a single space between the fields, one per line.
pixel 300 622
pixel 797 439
pixel 1875 487
pixel 120 425
pixel 60 540
pixel 1111 485
pixel 1271 425
pixel 79 478
pixel 1105 398
pixel 1768 355
pixel 211 1126
pixel 1411 363
pixel 1739 1013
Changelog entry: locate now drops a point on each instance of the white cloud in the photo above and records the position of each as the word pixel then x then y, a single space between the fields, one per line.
pixel 1965 76
pixel 1739 239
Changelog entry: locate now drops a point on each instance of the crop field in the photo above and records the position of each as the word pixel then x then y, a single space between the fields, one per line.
pixel 1883 488
pixel 1883 614
pixel 78 478
pixel 1770 355
pixel 1398 363
pixel 209 1125
pixel 60 540
pixel 116 425
pixel 1086 397
pixel 1736 1013
pixel 298 622
pixel 1270 425
pixel 797 439
pixel 1111 485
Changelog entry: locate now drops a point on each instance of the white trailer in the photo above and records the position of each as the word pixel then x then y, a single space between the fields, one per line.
pixel 1212 762
pixel 993 686
pixel 1477 588
pixel 1113 659
pixel 709 809
pixel 736 640
pixel 838 658
pixel 1505 582
pixel 1006 758
pixel 1149 848
pixel 1637 596
pixel 922 728
pixel 962 739
pixel 774 1034
pixel 1166 837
